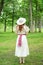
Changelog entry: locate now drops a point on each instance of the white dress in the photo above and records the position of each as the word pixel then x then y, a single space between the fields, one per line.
pixel 22 51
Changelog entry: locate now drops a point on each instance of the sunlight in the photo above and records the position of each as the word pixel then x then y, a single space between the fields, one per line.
pixel 19 1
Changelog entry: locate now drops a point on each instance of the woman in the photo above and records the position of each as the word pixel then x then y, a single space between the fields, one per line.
pixel 22 49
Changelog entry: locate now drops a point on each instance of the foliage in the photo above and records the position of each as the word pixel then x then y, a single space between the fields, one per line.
pixel 13 9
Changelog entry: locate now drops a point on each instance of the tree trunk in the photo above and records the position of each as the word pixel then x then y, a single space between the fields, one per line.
pixel 5 23
pixel 35 25
pixel 5 26
pixel 39 20
pixel 39 25
pixel 1 5
pixel 36 18
pixel 31 27
pixel 13 18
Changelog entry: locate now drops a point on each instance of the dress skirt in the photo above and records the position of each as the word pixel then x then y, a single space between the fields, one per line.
pixel 22 51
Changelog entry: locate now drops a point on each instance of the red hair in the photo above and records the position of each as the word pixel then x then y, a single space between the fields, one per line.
pixel 20 27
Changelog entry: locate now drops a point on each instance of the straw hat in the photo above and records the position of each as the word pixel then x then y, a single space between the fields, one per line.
pixel 21 21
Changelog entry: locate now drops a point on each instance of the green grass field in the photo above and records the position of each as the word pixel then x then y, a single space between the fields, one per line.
pixel 7 49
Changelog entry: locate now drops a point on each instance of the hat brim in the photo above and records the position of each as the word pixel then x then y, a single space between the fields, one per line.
pixel 23 21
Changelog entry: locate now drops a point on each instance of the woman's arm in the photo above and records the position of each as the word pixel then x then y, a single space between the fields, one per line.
pixel 26 28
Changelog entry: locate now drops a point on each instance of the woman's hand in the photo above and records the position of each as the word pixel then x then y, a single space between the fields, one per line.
pixel 17 27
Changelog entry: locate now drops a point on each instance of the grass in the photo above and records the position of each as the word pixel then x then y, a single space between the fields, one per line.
pixel 7 48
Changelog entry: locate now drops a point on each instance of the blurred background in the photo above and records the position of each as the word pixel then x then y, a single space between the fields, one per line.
pixel 11 10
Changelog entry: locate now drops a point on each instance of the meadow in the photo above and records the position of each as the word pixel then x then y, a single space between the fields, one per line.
pixel 7 49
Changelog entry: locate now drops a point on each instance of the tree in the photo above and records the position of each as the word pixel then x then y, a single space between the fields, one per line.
pixel 37 13
pixel 13 17
pixel 5 23
pixel 30 1
pixel 1 5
